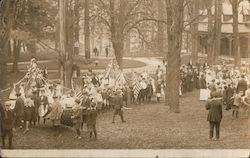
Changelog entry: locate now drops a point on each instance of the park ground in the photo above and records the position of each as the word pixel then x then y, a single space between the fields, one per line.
pixel 148 126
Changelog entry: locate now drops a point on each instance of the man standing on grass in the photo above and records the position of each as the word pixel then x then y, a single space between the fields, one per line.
pixel 215 114
pixel 118 104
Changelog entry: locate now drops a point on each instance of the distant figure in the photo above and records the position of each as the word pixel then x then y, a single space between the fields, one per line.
pixel 107 52
pixel 214 115
pixel 96 52
pixel 45 72
pixel 242 85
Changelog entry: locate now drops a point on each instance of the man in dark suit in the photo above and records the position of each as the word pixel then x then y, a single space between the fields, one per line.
pixel 19 111
pixel 242 85
pixel 118 104
pixel 215 114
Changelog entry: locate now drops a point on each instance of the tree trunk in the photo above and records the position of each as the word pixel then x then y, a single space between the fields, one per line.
pixel 76 27
pixel 236 51
pixel 174 30
pixel 7 13
pixel 118 48
pixel 210 41
pixel 31 47
pixel 62 38
pixel 86 29
pixel 68 61
pixel 194 30
pixel 160 26
pixel 9 49
pixel 16 54
pixel 217 32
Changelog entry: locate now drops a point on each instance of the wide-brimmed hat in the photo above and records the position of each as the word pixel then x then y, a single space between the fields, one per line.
pixel 55 96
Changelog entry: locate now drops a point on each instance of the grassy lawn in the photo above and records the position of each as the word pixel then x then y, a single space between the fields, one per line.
pixel 148 126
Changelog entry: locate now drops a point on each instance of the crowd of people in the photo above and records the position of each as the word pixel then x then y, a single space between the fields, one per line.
pixel 100 93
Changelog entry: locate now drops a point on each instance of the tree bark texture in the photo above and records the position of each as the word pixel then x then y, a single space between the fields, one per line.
pixel 16 54
pixel 7 13
pixel 86 30
pixel 174 30
pixel 194 30
pixel 236 50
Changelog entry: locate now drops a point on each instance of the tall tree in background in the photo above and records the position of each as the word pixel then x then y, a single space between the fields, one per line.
pixel 86 29
pixel 236 51
pixel 122 16
pixel 76 26
pixel 217 29
pixel 194 7
pixel 65 42
pixel 210 36
pixel 175 20
pixel 7 16
pixel 160 30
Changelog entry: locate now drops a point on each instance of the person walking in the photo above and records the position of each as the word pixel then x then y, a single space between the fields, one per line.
pixel 214 106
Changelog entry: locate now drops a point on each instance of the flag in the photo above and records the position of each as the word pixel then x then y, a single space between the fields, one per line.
pixel 137 87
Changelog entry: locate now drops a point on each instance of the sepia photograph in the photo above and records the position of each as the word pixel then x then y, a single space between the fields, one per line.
pixel 125 78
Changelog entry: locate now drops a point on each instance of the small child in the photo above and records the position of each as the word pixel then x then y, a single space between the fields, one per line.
pixel 77 117
pixel 8 125
pixel 91 121
pixel 236 104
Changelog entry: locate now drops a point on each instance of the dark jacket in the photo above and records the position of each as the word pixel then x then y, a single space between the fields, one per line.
pixel 91 116
pixel 203 83
pixel 8 122
pixel 19 107
pixel 242 85
pixel 118 102
pixel 215 110
pixel 36 102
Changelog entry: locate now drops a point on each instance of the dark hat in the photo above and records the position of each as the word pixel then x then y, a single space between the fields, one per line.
pixel 18 94
pixel 78 101
pixel 55 96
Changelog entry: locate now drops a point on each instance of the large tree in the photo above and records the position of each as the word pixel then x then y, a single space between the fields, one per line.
pixel 86 29
pixel 66 38
pixel 194 9
pixel 236 51
pixel 217 29
pixel 7 16
pixel 122 16
pixel 175 22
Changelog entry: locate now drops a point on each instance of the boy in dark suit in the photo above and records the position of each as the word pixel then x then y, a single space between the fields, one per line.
pixel 118 104
pixel 215 114
pixel 8 124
